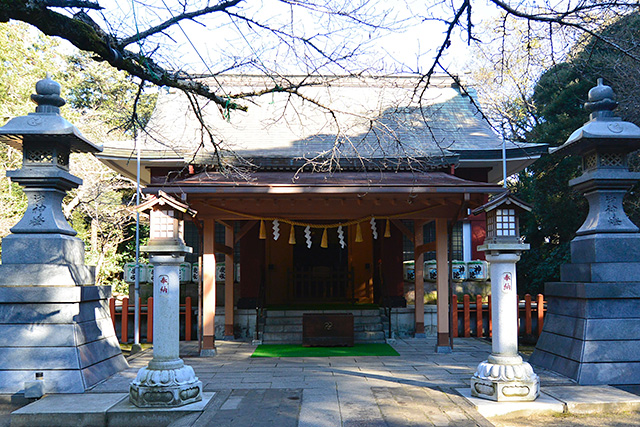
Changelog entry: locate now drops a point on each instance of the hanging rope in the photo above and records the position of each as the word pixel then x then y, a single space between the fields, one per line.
pixel 367 218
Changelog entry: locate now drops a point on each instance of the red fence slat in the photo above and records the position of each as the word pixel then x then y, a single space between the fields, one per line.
pixel 187 319
pixel 150 320
pixel 454 312
pixel 540 313
pixel 527 314
pixel 124 321
pixel 490 316
pixel 112 311
pixel 467 316
pixel 478 315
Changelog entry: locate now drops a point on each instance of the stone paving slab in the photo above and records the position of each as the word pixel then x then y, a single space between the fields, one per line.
pixel 593 399
pixel 544 404
pixel 67 410
pixel 419 388
pixel 99 409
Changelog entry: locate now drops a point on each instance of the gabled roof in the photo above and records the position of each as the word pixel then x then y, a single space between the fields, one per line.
pixel 505 198
pixel 163 199
pixel 380 119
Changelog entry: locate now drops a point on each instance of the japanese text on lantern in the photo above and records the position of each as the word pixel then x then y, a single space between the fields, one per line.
pixel 507 284
pixel 164 284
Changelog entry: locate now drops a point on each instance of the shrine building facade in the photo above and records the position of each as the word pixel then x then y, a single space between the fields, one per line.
pixel 322 201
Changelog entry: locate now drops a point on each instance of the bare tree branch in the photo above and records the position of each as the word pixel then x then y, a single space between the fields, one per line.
pixel 562 19
pixel 222 6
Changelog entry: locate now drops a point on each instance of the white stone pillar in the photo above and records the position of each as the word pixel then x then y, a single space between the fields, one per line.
pixel 166 307
pixel 504 310
pixel 166 381
pixel 504 376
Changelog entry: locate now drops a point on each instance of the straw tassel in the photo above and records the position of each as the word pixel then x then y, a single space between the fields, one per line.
pixel 359 238
pixel 387 229
pixel 292 235
pixel 263 230
pixel 324 243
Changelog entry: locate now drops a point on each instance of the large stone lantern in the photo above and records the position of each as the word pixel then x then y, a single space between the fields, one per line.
pixel 166 381
pixel 54 323
pixel 46 139
pixel 504 376
pixel 592 328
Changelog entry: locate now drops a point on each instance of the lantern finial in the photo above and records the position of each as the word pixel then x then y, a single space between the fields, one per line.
pixel 602 101
pixel 47 96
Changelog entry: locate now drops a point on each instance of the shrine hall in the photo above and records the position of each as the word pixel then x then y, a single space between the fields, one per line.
pixel 321 201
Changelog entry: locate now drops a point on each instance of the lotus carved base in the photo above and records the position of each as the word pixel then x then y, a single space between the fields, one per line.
pixel 165 387
pixel 505 382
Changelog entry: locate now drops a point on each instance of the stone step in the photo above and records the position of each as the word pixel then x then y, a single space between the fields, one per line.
pixel 269 320
pixel 366 320
pixel 298 322
pixel 268 328
pixel 371 327
pixel 282 337
pixel 285 326
pixel 369 337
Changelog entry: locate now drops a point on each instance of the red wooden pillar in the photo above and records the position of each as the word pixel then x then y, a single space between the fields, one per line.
pixel 419 276
pixel 442 285
pixel 228 282
pixel 208 289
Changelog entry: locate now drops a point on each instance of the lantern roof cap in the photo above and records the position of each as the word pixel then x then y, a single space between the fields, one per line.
pixel 46 124
pixel 604 129
pixel 163 199
pixel 500 200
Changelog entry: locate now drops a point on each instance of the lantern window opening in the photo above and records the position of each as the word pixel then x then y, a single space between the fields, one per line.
pixel 45 154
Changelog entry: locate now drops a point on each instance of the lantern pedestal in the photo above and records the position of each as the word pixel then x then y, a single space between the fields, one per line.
pixel 592 328
pixel 504 376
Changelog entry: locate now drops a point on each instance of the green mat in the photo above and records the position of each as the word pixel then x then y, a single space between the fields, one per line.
pixel 285 350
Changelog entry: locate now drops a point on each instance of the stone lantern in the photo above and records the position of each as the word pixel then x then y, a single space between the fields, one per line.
pixel 46 139
pixel 592 332
pixel 166 381
pixel 60 336
pixel 504 376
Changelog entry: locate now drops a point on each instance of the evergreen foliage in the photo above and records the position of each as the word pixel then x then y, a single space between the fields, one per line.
pixel 100 103
pixel 558 101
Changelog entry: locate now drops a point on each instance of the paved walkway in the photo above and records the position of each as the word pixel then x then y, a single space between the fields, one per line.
pixel 416 389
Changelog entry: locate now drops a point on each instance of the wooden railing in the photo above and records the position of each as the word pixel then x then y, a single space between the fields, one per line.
pixel 529 312
pixel 530 318
pixel 122 315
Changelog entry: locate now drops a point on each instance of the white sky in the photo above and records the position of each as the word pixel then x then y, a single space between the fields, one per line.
pixel 219 41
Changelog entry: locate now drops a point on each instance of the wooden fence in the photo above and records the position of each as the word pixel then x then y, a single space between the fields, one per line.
pixel 122 316
pixel 530 316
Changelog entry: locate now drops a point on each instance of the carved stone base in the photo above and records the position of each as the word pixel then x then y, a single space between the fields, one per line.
pixel 165 387
pixel 505 382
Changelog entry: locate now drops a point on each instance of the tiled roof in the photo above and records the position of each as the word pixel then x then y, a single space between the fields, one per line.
pixel 380 119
